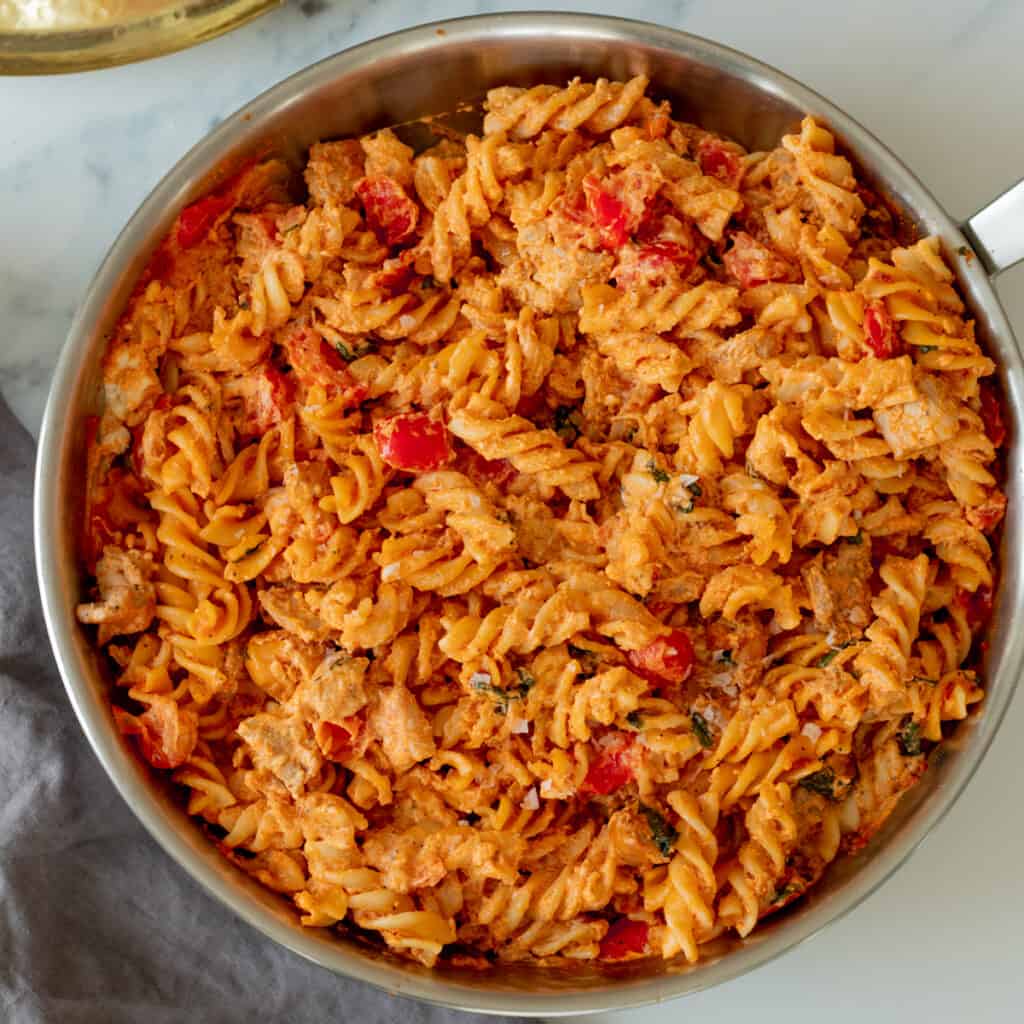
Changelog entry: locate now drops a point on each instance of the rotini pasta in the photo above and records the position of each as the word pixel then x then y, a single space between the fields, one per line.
pixel 561 543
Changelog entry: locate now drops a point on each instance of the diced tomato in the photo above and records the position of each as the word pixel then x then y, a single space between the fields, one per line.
pixel 413 441
pixel 657 127
pixel 752 263
pixel 395 274
pixel 161 265
pixel 531 406
pixel 337 739
pixel 391 214
pixel 608 214
pixel 988 514
pixel 625 936
pixel 268 401
pixel 880 331
pixel 496 471
pixel 611 769
pixel 652 264
pixel 315 362
pixel 978 605
pixel 196 220
pixel 166 734
pixel 668 660
pixel 718 161
pixel 992 414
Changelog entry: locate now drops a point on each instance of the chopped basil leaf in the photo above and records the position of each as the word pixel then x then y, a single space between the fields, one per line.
pixel 822 782
pixel 662 833
pixel 827 659
pixel 695 490
pixel 567 423
pixel 909 739
pixel 501 697
pixel 857 538
pixel 701 729
pixel 784 892
pixel 526 681
pixel 589 660
pixel 350 354
pixel 660 476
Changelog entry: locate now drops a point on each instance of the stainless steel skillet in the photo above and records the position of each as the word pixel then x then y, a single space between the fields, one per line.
pixel 430 70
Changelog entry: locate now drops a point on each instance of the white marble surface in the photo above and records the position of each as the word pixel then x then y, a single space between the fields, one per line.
pixel 940 83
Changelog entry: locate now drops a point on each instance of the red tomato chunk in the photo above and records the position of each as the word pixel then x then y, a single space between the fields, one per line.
pixel 611 769
pixel 608 214
pixel 166 738
pixel 992 414
pixel 315 362
pixel 624 937
pixel 880 331
pixel 668 660
pixel 195 221
pixel 752 264
pixel 718 161
pixel 390 213
pixel 413 441
pixel 977 605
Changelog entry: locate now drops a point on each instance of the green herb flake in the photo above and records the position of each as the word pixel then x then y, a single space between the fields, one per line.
pixel 822 782
pixel 723 658
pixel 481 683
pixel 660 476
pixel 784 892
pixel 857 539
pixel 350 354
pixel 924 679
pixel 251 551
pixel 925 349
pixel 825 660
pixel 701 729
pixel 909 739
pixel 567 423
pixel 635 720
pixel 243 304
pixel 525 683
pixel 662 833
pixel 289 230
pixel 683 510
pixel 695 490
pixel 963 251
pixel 589 660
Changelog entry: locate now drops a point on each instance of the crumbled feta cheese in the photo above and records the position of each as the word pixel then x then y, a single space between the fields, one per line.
pixel 389 572
pixel 722 678
pixel 687 479
pixel 480 679
pixel 546 787
pixel 811 731
pixel 518 726
pixel 464 821
pixel 531 801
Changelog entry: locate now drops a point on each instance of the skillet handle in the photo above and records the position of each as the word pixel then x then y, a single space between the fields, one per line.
pixel 996 231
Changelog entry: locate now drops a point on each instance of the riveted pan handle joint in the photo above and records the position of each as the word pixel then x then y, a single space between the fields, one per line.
pixel 996 231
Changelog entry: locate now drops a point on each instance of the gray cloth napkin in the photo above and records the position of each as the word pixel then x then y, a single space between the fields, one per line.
pixel 96 922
